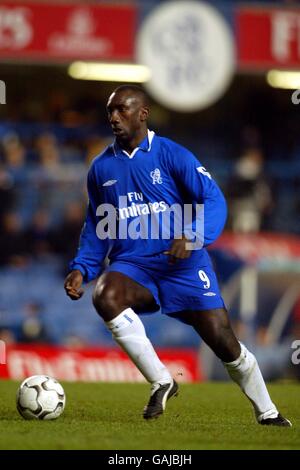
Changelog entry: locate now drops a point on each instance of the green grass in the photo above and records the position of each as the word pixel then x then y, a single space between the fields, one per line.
pixel 108 416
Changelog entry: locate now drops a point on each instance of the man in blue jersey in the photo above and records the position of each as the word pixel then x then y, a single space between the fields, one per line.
pixel 137 180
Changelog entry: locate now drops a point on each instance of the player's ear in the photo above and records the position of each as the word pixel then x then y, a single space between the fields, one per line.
pixel 144 113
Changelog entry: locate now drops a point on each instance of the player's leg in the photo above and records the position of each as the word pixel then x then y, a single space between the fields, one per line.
pixel 214 328
pixel 114 292
pixel 115 298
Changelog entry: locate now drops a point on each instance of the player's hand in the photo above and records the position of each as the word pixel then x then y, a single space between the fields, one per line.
pixel 178 250
pixel 73 284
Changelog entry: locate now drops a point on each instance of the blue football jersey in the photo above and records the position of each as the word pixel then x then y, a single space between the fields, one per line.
pixel 130 197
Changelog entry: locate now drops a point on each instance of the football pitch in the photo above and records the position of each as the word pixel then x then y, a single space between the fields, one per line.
pixel 108 416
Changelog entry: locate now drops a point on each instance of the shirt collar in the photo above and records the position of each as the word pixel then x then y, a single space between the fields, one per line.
pixel 145 145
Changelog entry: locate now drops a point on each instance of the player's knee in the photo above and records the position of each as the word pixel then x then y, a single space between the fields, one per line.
pixel 108 300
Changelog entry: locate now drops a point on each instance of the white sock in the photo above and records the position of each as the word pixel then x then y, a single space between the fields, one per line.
pixel 129 332
pixel 246 373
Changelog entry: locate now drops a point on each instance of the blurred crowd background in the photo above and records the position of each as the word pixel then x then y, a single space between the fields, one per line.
pixel 53 126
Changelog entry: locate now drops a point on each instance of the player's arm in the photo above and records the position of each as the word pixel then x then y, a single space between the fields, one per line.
pixel 87 264
pixel 203 190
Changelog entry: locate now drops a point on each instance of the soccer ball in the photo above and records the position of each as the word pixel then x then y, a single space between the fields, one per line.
pixel 40 397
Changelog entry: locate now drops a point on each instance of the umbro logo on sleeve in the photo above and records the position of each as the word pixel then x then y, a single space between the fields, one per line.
pixel 204 172
pixel 109 182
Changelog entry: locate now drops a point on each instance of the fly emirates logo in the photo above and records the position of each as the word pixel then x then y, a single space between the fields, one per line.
pixel 137 207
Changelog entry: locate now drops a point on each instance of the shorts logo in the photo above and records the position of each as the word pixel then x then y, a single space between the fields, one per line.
pixel 155 175
pixel 210 294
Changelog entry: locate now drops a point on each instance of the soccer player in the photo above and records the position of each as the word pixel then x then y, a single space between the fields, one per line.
pixel 140 176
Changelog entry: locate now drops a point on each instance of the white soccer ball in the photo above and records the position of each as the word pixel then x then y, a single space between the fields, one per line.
pixel 40 397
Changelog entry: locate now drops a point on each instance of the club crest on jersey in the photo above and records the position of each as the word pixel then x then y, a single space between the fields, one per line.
pixel 156 177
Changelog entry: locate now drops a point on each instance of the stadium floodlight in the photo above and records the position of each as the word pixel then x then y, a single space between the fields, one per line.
pixel 109 72
pixel 286 79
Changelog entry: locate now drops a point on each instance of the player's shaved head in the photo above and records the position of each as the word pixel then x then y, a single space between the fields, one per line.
pixel 128 111
pixel 134 91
